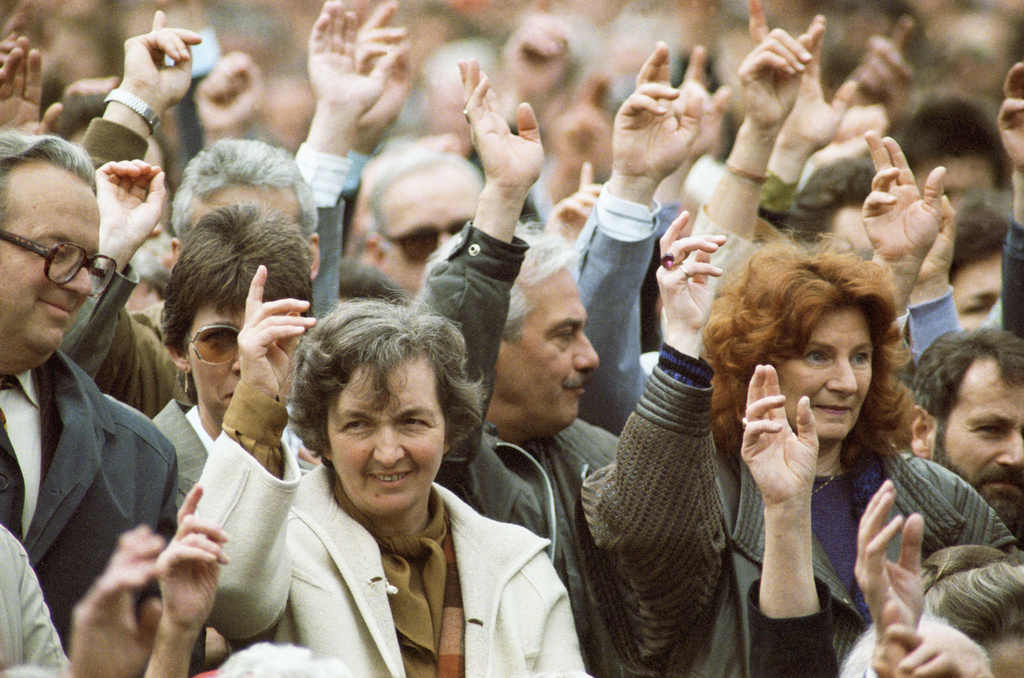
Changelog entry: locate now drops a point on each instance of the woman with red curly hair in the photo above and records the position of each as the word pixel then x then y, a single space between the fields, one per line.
pixel 793 371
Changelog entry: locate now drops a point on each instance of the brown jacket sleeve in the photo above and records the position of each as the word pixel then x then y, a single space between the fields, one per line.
pixel 138 370
pixel 107 141
pixel 256 422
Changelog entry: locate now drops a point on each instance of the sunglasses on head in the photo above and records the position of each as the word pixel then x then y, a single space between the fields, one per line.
pixel 418 244
pixel 215 344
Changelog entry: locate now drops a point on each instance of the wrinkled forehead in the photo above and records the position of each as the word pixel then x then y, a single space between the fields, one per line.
pixel 48 204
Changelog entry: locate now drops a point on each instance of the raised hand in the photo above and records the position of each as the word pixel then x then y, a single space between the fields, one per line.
pixel 652 136
pixel 511 162
pixel 1011 116
pixel 902 222
pixel 147 74
pixel 715 104
pixel 376 40
pixel 268 338
pixel 1011 128
pixel 580 134
pixel 21 91
pixel 892 587
pixel 883 75
pixel 343 92
pixel 683 281
pixel 770 75
pixel 131 196
pixel 814 122
pixel 782 461
pixel 537 57
pixel 569 216
pixel 111 636
pixel 228 99
pixel 189 566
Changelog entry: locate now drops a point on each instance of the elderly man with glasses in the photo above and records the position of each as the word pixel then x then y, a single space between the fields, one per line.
pixel 76 468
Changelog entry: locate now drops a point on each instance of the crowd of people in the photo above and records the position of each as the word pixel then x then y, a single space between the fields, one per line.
pixel 461 338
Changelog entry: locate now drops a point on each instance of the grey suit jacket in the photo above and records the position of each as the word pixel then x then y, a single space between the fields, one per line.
pixel 187 444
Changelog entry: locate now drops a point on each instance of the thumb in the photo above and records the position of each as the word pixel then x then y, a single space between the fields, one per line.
pixel 48 125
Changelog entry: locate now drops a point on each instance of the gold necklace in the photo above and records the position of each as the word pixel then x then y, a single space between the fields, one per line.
pixel 824 484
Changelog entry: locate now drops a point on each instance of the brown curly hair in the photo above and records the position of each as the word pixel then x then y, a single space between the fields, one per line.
pixel 766 315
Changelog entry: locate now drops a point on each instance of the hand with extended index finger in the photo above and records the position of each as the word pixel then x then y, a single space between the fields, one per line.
pixel 268 337
pixel 189 567
pixel 770 74
pixel 146 73
pixel 683 281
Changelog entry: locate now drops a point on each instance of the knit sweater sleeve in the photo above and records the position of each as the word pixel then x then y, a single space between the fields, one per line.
pixel 656 519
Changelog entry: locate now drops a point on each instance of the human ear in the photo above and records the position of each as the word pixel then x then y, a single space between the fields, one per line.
pixel 180 359
pixel 922 444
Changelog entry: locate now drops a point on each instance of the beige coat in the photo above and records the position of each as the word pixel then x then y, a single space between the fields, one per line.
pixel 27 635
pixel 303 571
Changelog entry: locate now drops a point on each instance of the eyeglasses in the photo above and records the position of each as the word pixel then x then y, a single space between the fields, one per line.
pixel 215 344
pixel 65 259
pixel 419 244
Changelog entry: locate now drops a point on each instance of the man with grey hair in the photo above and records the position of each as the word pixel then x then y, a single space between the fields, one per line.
pixel 419 198
pixel 76 468
pixel 511 291
pixel 235 171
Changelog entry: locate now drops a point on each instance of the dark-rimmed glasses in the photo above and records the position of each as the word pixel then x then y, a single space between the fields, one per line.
pixel 420 243
pixel 65 259
pixel 215 344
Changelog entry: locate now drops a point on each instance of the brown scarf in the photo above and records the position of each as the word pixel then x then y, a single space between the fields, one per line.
pixel 427 609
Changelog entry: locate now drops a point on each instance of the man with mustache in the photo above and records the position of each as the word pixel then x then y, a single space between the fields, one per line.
pixel 969 388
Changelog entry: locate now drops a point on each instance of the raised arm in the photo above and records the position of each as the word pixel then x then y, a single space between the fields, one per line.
pixel 131 197
pixel 157 73
pixel 790 632
pixel 187 571
pixel 655 515
pixel 249 481
pixel 770 77
pixel 655 129
pixel 1011 127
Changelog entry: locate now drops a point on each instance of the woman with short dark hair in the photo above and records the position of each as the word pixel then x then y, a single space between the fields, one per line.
pixel 364 557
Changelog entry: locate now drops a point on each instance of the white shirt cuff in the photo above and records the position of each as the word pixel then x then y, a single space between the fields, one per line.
pixel 624 220
pixel 324 172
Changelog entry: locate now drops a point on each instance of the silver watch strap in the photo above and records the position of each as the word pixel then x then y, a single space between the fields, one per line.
pixel 136 104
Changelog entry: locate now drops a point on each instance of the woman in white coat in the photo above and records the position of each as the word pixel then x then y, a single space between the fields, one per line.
pixel 364 557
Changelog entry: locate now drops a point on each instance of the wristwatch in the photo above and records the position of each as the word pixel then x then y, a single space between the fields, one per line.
pixel 136 104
